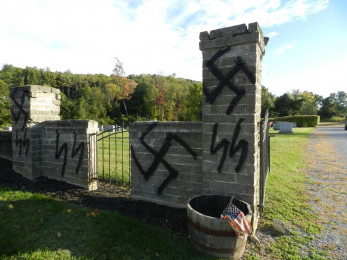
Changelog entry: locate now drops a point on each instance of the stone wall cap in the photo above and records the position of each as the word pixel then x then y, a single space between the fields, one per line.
pixel 169 124
pixel 233 35
pixel 71 123
pixel 38 88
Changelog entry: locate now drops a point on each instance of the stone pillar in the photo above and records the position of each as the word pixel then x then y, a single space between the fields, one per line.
pixel 231 111
pixel 30 106
pixel 44 145
pixel 69 151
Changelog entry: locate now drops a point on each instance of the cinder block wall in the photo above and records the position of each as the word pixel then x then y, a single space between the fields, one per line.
pixel 67 147
pixel 44 145
pixel 228 154
pixel 6 145
pixel 166 161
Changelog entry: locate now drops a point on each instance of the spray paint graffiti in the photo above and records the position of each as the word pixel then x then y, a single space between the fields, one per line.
pixel 64 149
pixel 75 151
pixel 159 157
pixel 23 143
pixel 20 106
pixel 225 144
pixel 59 151
pixel 225 80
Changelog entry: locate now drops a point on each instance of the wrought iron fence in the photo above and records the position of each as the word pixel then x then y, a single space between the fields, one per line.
pixel 114 155
pixel 264 159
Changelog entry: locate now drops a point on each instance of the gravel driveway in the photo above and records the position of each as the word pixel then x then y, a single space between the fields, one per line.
pixel 328 187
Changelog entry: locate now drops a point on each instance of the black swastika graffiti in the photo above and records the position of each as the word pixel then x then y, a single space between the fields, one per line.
pixel 225 80
pixel 20 106
pixel 159 157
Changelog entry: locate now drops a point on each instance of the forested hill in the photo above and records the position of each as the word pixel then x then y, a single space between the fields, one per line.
pixel 116 98
pixel 110 99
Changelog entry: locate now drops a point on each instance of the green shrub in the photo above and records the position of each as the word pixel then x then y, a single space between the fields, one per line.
pixel 301 121
pixel 336 119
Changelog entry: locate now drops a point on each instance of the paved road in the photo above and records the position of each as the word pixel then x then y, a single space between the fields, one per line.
pixel 328 187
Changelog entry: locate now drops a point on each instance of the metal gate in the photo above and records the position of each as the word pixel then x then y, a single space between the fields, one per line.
pixel 264 159
pixel 114 155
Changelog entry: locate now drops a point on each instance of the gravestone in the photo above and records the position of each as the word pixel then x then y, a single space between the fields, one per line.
pixel 286 128
pixel 109 128
pixel 276 125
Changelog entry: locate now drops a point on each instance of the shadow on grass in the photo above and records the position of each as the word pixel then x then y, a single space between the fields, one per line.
pixel 35 226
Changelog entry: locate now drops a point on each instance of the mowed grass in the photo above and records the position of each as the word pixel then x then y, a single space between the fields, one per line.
pixel 114 157
pixel 286 196
pixel 33 226
pixel 38 227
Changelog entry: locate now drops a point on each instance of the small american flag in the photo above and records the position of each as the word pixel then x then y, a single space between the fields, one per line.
pixel 237 220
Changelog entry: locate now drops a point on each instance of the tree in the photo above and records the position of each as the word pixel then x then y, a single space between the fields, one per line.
pixel 176 93
pixel 32 76
pixel 143 103
pixel 341 99
pixel 124 87
pixel 334 105
pixel 12 76
pixel 5 105
pixel 267 102
pixel 289 104
pixel 309 105
pixel 192 105
pixel 329 107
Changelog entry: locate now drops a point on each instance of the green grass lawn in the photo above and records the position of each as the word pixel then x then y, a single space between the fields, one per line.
pixel 113 157
pixel 33 226
pixel 286 197
pixel 38 227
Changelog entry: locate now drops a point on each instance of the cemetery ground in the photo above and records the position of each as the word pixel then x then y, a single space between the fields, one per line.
pixel 306 190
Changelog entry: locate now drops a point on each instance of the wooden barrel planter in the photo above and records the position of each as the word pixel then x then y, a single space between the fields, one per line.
pixel 208 232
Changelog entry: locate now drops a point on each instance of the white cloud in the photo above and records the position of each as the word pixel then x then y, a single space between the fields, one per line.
pixel 322 79
pixel 272 34
pixel 147 36
pixel 283 48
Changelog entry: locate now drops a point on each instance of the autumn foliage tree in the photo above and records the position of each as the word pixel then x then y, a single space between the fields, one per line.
pixel 121 87
pixel 109 99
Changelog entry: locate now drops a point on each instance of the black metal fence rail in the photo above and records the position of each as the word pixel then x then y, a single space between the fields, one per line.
pixel 264 159
pixel 114 156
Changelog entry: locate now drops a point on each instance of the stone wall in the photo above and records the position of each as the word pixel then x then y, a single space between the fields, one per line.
pixel 228 156
pixel 67 147
pixel 166 161
pixel 44 145
pixel 6 145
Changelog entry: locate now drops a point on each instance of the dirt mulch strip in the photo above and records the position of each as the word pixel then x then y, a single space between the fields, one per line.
pixel 107 197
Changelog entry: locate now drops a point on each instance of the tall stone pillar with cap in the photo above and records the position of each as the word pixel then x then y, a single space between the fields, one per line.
pixel 232 66
pixel 31 105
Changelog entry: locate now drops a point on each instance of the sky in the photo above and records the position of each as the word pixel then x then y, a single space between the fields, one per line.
pixel 307 48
